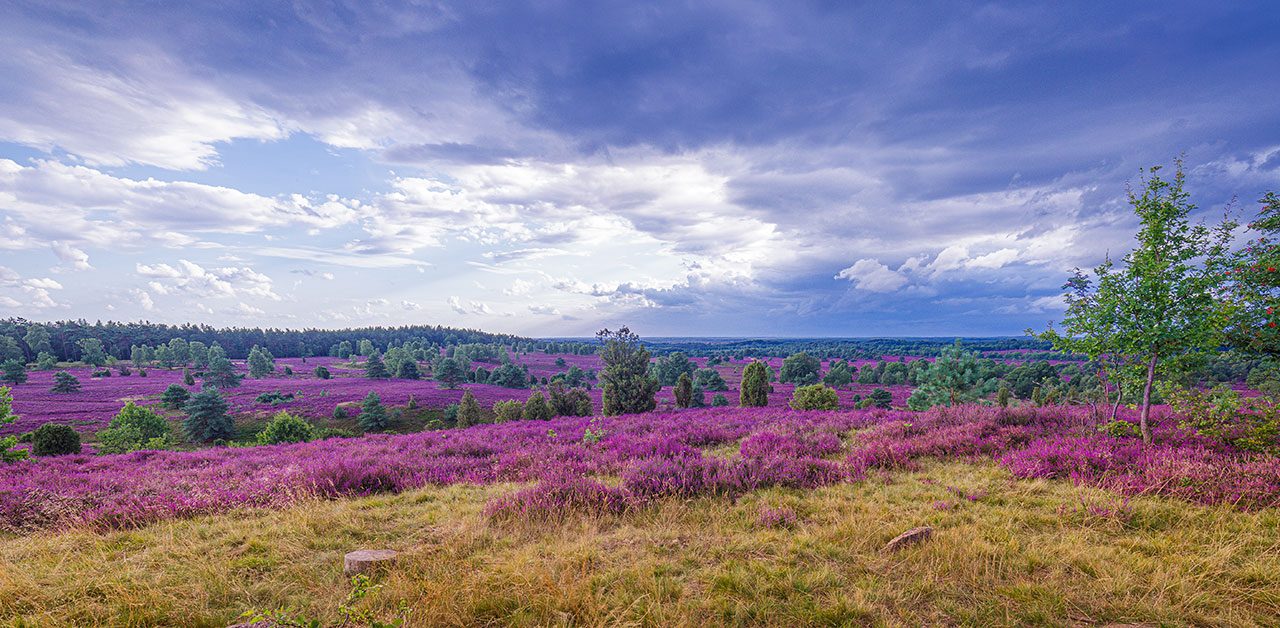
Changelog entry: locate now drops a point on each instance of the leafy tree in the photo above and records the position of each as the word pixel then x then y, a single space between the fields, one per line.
pixel 569 402
pixel 37 339
pixel 164 357
pixel 628 388
pixel 505 411
pixel 134 428
pixel 221 373
pixel 670 368
pixel 469 412
pixel 9 350
pixel 697 396
pixel 800 369
pixel 755 386
pixel 119 440
pixel 55 440
pixel 684 391
pixel 839 376
pixel 880 398
pixel 148 423
pixel 1253 286
pixel 719 401
pixel 64 382
pixel 46 361
pixel 373 415
pixel 91 351
pixel 536 408
pixel 181 350
pixel 339 412
pixel 15 372
pixel 1156 315
pixel 322 372
pixel 199 354
pixel 7 417
pixel 710 379
pixel 814 397
pixel 560 363
pixel 187 378
pixel 954 378
pixel 140 355
pixel 175 396
pixel 366 347
pixel 285 428
pixel 449 372
pixel 408 369
pixel 259 364
pixel 207 419
pixel 509 376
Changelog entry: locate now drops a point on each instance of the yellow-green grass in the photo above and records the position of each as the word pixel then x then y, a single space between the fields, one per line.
pixel 1028 553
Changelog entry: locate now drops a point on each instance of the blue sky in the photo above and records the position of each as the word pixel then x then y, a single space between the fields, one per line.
pixel 551 168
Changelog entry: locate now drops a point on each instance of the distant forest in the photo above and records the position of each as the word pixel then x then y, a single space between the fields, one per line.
pixel 847 348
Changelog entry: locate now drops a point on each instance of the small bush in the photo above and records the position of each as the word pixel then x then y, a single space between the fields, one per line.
pixel 451 412
pixel 175 396
pixel 505 411
pixel 719 401
pixel 332 432
pixel 55 440
pixel 285 428
pixel 339 412
pixel 123 370
pixel 25 437
pixel 814 397
pixel 275 397
pixel 288 370
pixel 106 373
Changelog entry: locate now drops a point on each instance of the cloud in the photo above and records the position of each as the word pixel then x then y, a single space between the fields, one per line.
pixel 455 304
pixel 192 280
pixel 410 306
pixel 872 276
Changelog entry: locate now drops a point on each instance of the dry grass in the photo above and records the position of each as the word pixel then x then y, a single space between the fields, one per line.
pixel 1026 553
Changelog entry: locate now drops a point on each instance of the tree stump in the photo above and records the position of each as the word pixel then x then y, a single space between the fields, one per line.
pixel 910 537
pixel 364 561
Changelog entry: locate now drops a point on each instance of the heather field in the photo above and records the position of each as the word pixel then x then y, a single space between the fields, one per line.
pixel 760 516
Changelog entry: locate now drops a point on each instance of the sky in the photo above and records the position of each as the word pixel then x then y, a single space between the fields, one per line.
pixel 551 168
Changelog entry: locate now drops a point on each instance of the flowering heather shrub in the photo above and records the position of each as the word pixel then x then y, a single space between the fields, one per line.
pixel 780 517
pixel 555 498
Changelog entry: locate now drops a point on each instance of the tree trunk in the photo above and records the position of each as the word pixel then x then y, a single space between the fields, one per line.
pixel 1146 401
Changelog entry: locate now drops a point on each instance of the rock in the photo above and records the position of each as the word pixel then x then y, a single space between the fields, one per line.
pixel 910 537
pixel 364 561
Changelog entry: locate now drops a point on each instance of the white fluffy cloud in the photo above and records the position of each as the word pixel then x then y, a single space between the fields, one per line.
pixel 872 276
pixel 192 280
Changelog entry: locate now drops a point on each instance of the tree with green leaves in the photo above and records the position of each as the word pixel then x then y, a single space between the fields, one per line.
pixel 64 382
pixel 1157 314
pixel 711 380
pixel 628 387
pixel 505 411
pixel 10 350
pixel 755 386
pixel 15 372
pixel 800 369
pixel 449 372
pixel 953 379
pixel 46 361
pixel 199 354
pixel 669 369
pixel 322 373
pixel 175 396
pixel 1252 288
pixel 259 365
pixel 7 417
pixel 285 428
pixel 408 369
pixel 134 427
pixel 207 419
pixel 181 351
pixel 221 373
pixel 684 391
pixel 469 412
pixel 91 351
pixel 52 439
pixel 536 408
pixel 164 357
pixel 839 375
pixel 880 398
pixel 373 415
pixel 38 340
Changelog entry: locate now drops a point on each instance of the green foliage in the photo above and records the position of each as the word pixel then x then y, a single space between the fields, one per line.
pixel 221 373
pixel 148 423
pixel 285 428
pixel 684 391
pixel 259 365
pixel 64 382
pixel 15 372
pixel 175 396
pixel 91 351
pixel 560 363
pixel 509 376
pixel 322 372
pixel 374 368
pixel 164 357
pixel 373 415
pixel 408 369
pixel 1156 315
pixel 46 361
pixel 351 613
pixel 449 372
pixel 1253 286
pixel 569 402
pixel 1120 428
pixel 1002 397
pixel 51 439
pixel 954 378
pixel 450 413
pixel 119 440
pixel 1249 424
pixel 469 412
pixel 9 349
pixel 814 397
pixel 710 380
pixel 274 397
pixel 669 369
pixel 38 339
pixel 879 398
pixel 505 411
pixel 628 387
pixel 207 419
pixel 199 354
pixel 800 369
pixel 719 401
pixel 839 376
pixel 331 432
pixel 7 444
pixel 187 378
pixel 339 412
pixel 755 386
pixel 536 408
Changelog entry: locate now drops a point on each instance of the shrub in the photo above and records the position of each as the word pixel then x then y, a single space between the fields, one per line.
pixel 755 386
pixel 408 369
pixel 814 397
pixel 207 419
pixel 119 440
pixel 710 380
pixel 123 370
pixel 322 372
pixel 64 382
pixel 505 411
pixel 275 397
pixel 141 373
pixel 106 373
pixel 719 401
pixel 175 396
pixel 468 411
pixel 149 424
pixel 285 428
pixel 187 378
pixel 15 372
pixel 288 370
pixel 55 440
pixel 450 413
pixel 536 408
pixel 880 398
pixel 339 412
pixel 571 402
pixel 684 391
pixel 800 369
pixel 332 432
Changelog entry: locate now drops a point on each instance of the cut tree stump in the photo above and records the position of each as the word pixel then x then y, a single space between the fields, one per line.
pixel 364 561
pixel 910 537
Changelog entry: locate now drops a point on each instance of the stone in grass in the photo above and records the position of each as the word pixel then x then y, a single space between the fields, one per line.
pixel 910 537
pixel 364 561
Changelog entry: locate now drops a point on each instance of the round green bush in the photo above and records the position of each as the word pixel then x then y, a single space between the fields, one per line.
pixel 814 397
pixel 55 440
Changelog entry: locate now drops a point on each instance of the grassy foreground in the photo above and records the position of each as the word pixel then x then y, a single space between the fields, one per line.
pixel 1005 553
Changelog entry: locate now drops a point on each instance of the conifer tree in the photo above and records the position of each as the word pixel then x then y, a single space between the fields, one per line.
pixel 15 372
pixel 755 386
pixel 373 415
pixel 628 387
pixel 374 368
pixel 684 391
pixel 64 382
pixel 536 408
pixel 207 419
pixel 469 412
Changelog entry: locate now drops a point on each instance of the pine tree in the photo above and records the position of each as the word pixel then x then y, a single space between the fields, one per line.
pixel 684 391
pixel 628 387
pixel 468 411
pixel 259 364
pixel 65 382
pixel 15 372
pixel 536 408
pixel 221 373
pixel 408 369
pixel 374 368
pixel 373 415
pixel 449 372
pixel 187 378
pixel 207 419
pixel 755 386
pixel 175 396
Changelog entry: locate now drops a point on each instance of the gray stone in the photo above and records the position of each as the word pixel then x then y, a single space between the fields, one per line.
pixel 910 537
pixel 364 561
